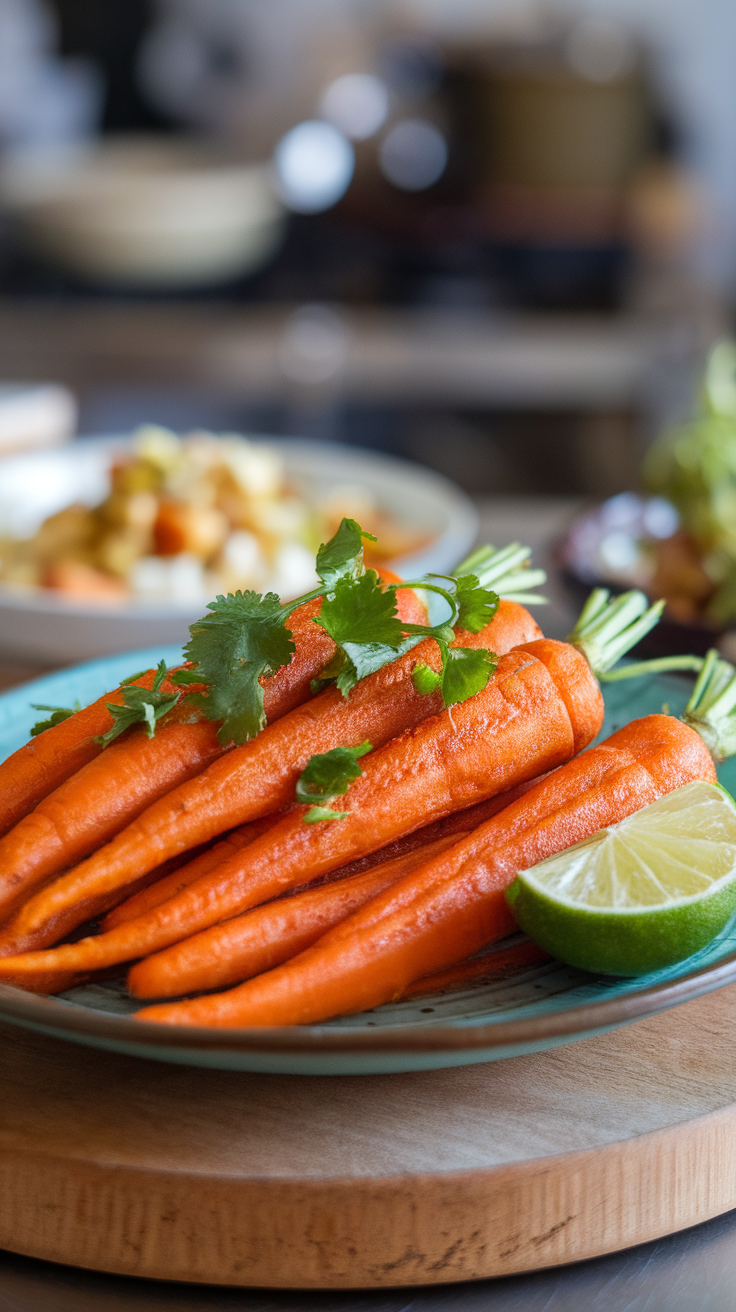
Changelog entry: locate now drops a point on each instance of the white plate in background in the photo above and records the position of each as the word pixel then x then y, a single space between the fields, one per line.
pixel 40 625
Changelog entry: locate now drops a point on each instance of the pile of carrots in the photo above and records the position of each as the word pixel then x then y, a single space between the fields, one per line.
pixel 198 867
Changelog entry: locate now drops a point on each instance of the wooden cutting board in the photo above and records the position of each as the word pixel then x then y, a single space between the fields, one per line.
pixel 129 1166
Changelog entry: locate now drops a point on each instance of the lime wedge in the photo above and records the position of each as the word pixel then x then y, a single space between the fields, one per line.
pixel 641 894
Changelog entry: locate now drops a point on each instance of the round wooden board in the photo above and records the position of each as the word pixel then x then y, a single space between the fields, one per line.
pixel 129 1166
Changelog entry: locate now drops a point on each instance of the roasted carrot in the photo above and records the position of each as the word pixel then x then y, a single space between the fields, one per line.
pixel 517 727
pixel 96 802
pixel 268 935
pixel 185 871
pixel 109 791
pixel 454 905
pixel 41 765
pixel 259 777
pixel 495 965
pixel 159 890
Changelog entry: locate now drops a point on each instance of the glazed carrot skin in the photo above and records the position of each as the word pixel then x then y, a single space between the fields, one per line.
pixel 163 888
pixel 96 802
pixel 451 907
pixel 185 872
pixel 489 967
pixel 517 727
pixel 268 935
pixel 41 765
pixel 399 857
pixel 253 780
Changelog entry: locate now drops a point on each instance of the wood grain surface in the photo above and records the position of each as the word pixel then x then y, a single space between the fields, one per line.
pixel 130 1166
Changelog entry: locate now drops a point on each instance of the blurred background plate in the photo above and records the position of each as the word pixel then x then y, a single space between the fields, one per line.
pixel 37 624
pixel 620 544
pixel 525 1010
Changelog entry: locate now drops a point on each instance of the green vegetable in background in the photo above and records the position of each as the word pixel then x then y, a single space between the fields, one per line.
pixel 694 467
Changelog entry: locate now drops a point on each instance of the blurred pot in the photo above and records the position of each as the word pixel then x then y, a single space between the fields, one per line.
pixel 153 213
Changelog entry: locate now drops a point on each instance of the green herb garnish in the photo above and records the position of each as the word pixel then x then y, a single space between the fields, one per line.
pixel 327 776
pixel 140 706
pixel 245 638
pixel 58 715
pixel 342 556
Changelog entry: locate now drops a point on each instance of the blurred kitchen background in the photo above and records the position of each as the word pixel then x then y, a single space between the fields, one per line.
pixel 497 237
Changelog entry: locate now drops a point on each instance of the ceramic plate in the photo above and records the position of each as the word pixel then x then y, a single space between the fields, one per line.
pixel 535 1008
pixel 43 626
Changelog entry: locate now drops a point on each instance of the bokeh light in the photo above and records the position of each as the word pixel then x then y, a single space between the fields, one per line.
pixel 314 164
pixel 357 104
pixel 599 50
pixel 413 154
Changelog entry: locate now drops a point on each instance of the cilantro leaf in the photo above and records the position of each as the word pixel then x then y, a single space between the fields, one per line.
pixel 140 706
pixel 132 678
pixel 425 680
pixel 329 774
pixel 181 678
pixel 316 813
pixel 360 616
pixel 476 605
pixel 361 611
pixel 466 671
pixel 342 556
pixel 58 715
pixel 243 640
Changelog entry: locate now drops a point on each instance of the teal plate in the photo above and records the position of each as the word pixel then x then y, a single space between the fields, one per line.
pixel 534 1008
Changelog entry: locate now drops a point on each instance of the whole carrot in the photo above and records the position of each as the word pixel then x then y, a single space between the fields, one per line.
pixel 162 889
pixel 491 966
pixel 41 765
pixel 251 781
pixel 185 871
pixel 110 790
pixel 103 796
pixel 262 938
pixel 519 726
pixel 453 906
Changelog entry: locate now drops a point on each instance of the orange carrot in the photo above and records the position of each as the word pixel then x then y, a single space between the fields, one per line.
pixel 268 935
pixel 41 765
pixel 491 966
pixel 96 802
pixel 517 727
pixel 454 905
pixel 255 779
pixel 111 790
pixel 163 888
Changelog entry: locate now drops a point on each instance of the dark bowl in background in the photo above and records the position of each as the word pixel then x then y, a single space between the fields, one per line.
pixel 578 556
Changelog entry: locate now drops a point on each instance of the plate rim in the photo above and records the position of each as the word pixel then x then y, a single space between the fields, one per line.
pixel 77 1021
pixel 467 1035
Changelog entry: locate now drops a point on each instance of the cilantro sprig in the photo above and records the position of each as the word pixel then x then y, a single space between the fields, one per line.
pixel 327 776
pixel 57 716
pixel 360 616
pixel 140 706
pixel 245 638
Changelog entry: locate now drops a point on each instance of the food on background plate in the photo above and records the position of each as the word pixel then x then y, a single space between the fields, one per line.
pixel 188 518
pixel 679 542
pixel 365 840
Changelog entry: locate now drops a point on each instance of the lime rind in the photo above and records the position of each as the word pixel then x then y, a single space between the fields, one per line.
pixel 641 895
